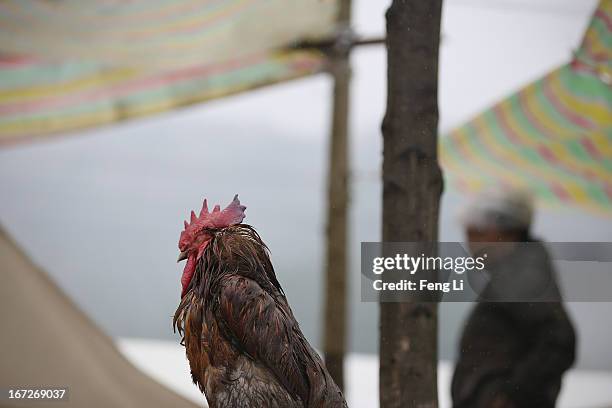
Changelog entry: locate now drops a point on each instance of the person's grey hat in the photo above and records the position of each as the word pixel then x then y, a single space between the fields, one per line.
pixel 502 208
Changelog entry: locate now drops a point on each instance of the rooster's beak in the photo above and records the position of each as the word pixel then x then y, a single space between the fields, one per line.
pixel 182 256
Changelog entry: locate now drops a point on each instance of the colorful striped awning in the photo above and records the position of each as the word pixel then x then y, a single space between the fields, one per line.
pixel 75 64
pixel 553 137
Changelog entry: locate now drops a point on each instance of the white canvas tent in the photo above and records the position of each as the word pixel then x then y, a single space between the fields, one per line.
pixel 48 342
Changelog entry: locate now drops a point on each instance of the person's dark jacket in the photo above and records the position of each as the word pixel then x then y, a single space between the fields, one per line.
pixel 510 351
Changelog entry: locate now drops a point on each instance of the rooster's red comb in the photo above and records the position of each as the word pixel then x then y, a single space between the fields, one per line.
pixel 232 214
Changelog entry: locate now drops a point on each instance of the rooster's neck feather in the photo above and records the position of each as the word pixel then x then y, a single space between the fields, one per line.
pixel 237 250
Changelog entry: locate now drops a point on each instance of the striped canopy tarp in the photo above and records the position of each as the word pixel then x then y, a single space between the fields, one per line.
pixel 73 64
pixel 553 137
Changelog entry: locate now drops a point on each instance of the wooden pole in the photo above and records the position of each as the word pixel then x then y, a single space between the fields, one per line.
pixel 412 185
pixel 334 341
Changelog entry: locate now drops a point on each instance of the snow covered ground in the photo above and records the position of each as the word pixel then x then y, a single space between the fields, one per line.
pixel 165 362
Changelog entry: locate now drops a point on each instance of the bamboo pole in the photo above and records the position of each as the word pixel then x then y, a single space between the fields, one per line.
pixel 334 341
pixel 412 185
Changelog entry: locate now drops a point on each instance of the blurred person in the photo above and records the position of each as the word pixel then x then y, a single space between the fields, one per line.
pixel 513 350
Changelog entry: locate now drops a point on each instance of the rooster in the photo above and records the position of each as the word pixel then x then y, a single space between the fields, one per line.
pixel 244 346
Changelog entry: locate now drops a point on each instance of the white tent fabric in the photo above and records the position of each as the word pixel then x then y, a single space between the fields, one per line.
pixel 47 342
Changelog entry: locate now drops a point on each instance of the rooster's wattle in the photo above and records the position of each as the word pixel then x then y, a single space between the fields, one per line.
pixel 244 346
